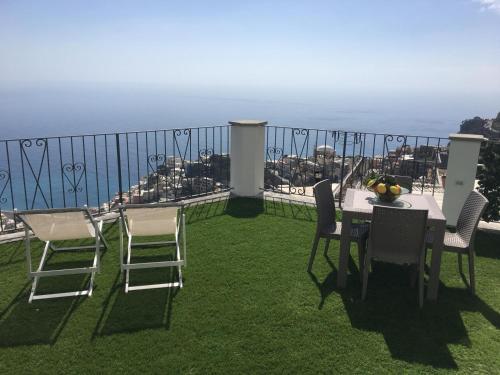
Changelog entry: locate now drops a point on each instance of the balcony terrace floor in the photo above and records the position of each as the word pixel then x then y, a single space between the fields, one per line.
pixel 249 306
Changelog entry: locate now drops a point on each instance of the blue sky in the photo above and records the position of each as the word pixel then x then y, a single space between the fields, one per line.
pixel 424 46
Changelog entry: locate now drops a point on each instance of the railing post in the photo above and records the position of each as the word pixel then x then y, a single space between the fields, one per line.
pixel 461 173
pixel 247 157
pixel 342 170
pixel 119 167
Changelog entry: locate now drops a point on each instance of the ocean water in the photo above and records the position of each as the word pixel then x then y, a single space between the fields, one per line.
pixel 53 110
pixel 58 110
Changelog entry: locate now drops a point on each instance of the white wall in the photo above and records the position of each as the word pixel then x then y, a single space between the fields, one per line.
pixel 247 157
pixel 461 173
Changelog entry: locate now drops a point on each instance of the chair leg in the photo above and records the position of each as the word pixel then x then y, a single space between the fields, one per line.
pixel 425 258
pixel 472 274
pixel 361 258
pixel 366 270
pixel 460 266
pixel 313 252
pixel 421 283
pixel 327 245
pixel 413 275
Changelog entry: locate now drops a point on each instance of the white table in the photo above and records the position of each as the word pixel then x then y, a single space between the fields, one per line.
pixel 358 204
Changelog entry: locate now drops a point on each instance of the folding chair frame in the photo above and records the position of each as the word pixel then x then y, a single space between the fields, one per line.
pixel 40 272
pixel 180 230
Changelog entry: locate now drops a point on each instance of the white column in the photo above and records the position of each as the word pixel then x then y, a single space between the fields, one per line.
pixel 247 157
pixel 463 156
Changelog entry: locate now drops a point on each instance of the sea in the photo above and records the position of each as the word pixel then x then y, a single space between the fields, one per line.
pixel 55 109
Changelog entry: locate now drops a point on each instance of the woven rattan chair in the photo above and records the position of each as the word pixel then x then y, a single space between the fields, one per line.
pixel 404 181
pixel 328 228
pixel 462 241
pixel 397 236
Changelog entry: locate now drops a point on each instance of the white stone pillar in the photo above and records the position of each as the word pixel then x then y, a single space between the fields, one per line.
pixel 247 157
pixel 463 156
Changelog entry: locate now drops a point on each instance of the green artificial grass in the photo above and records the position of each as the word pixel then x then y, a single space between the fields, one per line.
pixel 249 306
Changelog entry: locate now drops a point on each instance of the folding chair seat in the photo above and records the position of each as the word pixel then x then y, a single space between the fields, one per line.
pixel 146 220
pixel 53 225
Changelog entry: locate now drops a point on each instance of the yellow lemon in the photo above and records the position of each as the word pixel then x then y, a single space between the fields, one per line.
pixel 371 182
pixel 381 188
pixel 395 189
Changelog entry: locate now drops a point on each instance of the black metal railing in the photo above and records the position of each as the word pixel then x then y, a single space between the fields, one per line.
pixel 102 170
pixel 296 158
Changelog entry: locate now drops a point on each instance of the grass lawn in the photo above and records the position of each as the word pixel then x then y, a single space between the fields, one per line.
pixel 249 306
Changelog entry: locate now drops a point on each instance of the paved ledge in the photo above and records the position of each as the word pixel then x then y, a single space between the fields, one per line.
pixel 489 227
pixel 110 217
pixel 267 195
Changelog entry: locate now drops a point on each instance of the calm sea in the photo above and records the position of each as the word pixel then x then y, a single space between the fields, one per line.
pixel 51 110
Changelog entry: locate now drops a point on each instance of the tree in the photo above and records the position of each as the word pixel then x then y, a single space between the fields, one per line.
pixel 473 126
pixel 489 179
pixel 496 123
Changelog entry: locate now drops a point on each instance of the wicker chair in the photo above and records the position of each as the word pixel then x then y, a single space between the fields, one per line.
pixel 404 181
pixel 328 228
pixel 397 236
pixel 462 241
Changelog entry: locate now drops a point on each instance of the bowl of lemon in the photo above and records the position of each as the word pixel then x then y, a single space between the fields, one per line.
pixel 385 188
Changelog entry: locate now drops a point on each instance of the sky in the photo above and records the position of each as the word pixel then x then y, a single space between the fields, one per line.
pixel 422 46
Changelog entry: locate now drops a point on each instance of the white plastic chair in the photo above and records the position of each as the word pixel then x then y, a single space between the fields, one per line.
pixel 152 220
pixel 60 225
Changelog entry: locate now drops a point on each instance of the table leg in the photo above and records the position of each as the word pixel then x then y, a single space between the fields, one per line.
pixel 345 245
pixel 437 250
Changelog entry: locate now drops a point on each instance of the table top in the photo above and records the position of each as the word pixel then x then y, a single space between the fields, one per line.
pixel 362 202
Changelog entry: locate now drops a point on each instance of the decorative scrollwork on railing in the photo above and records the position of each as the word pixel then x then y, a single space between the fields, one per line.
pixel 336 135
pixel 275 150
pixel 299 190
pixel 206 153
pixel 73 173
pixel 179 132
pixel 299 131
pixel 29 142
pixel 392 159
pixel 68 167
pixel 155 158
pixel 155 161
pixel 27 160
pixel 401 138
pixel 4 180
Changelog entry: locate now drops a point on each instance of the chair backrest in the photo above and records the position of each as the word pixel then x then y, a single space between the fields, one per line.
pixel 469 217
pixel 397 235
pixel 325 205
pixel 151 220
pixel 404 181
pixel 59 224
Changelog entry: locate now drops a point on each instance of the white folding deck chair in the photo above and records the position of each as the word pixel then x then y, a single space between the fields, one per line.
pixel 153 220
pixel 60 225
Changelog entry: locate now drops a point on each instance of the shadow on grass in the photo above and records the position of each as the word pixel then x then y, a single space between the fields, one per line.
pixel 487 244
pixel 248 208
pixel 42 321
pixel 285 208
pixel 138 310
pixel 13 254
pixel 391 309
pixel 252 207
pixel 244 207
pixel 206 209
